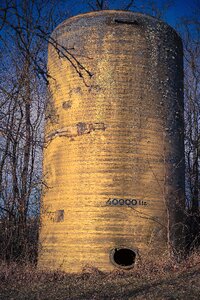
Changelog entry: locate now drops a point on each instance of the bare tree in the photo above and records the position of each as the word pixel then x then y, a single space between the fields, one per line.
pixel 105 4
pixel 154 8
pixel 151 7
pixel 190 31
pixel 192 109
pixel 98 5
pixel 23 101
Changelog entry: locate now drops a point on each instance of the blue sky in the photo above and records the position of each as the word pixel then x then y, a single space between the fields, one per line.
pixel 179 9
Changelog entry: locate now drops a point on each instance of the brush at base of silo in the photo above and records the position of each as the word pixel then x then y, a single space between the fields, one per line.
pixel 114 159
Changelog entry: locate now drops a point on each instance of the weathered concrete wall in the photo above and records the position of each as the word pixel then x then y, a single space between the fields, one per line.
pixel 115 135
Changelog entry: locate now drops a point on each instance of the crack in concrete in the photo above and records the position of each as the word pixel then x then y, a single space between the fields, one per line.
pixel 77 130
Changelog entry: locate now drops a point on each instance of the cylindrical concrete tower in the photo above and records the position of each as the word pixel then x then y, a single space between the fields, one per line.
pixel 114 159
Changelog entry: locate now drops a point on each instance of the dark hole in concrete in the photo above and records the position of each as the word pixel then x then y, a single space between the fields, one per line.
pixel 124 257
pixel 126 22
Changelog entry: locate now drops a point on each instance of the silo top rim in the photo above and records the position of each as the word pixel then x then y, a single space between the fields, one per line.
pixel 92 14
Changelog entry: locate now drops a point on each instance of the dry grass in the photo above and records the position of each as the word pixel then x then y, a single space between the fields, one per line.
pixel 149 280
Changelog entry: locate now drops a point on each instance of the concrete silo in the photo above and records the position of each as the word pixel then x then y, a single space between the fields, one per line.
pixel 114 160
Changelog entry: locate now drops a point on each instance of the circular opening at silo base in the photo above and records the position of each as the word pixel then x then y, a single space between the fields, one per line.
pixel 123 257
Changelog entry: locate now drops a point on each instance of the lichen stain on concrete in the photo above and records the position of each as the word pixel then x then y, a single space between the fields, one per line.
pixel 76 90
pixel 67 104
